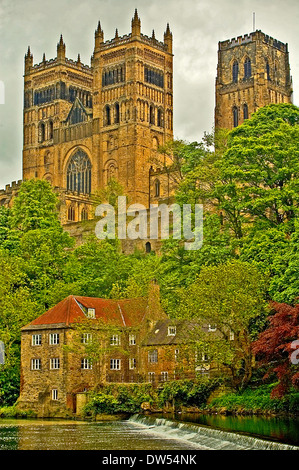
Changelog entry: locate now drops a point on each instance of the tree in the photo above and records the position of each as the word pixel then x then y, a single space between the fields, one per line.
pixel 231 298
pixel 17 308
pixel 261 167
pixel 35 207
pixel 275 347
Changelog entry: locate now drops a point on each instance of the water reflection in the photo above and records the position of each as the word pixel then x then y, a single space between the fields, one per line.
pixel 80 435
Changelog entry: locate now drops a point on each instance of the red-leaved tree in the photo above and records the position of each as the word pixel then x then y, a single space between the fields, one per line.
pixel 276 347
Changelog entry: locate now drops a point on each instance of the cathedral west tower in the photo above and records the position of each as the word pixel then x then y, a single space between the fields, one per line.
pixel 85 124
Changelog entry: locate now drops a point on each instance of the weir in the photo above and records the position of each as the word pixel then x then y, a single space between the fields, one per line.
pixel 205 437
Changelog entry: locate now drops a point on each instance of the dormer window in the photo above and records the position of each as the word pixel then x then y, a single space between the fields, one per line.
pixel 91 313
pixel 171 330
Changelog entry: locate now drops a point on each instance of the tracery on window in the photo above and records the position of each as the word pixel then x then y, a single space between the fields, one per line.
pixel 79 173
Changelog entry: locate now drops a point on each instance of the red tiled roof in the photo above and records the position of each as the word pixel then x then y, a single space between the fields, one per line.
pixel 117 312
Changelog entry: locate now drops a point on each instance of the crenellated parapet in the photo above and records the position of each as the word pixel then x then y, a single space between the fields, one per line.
pixel 247 38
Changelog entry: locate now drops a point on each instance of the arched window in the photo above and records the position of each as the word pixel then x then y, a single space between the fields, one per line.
pixel 71 213
pixel 157 188
pixel 116 119
pixel 51 130
pixel 41 132
pixel 245 111
pixel 247 68
pixel 79 173
pixel 148 247
pixel 235 71
pixel 235 116
pixel 84 214
pixel 152 115
pixel 160 118
pixel 107 115
pixel 268 70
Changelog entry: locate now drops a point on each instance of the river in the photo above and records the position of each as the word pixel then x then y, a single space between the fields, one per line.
pixel 151 433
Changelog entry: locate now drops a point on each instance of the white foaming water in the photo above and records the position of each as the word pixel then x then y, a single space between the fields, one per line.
pixel 205 437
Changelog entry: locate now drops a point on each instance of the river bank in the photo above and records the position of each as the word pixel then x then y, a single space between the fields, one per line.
pixel 119 401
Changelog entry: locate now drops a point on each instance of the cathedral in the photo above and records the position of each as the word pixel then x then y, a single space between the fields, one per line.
pixel 86 124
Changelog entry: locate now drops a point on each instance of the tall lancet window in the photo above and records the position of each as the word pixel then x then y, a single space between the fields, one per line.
pixel 235 71
pixel 79 173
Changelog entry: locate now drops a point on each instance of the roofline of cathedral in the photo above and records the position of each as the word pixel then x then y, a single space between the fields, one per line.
pixel 258 34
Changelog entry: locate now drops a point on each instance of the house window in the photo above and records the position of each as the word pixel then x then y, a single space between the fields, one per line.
pixel 171 330
pixel 176 355
pixel 153 356
pixel 148 247
pixel 86 363
pixel 132 340
pixel 212 327
pixel 36 340
pixel 91 313
pixel 54 363
pixel 231 336
pixel 245 111
pixel 115 364
pixel 54 338
pixel 132 363
pixel 54 394
pixel 164 376
pixel 151 377
pixel 115 340
pixel 36 364
pixel 86 338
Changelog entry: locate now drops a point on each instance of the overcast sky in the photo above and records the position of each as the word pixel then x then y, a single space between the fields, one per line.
pixel 197 26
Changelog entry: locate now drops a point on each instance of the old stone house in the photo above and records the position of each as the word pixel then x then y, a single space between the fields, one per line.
pixel 56 362
pixel 83 342
pixel 171 351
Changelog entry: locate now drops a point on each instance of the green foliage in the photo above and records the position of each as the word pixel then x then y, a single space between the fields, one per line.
pixel 187 392
pixel 256 400
pixel 113 399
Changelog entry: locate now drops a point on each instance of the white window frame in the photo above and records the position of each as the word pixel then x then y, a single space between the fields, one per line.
pixel 171 331
pixel 54 393
pixel 115 364
pixel 86 338
pixel 36 339
pixel 151 377
pixel 91 313
pixel 53 339
pixel 86 364
pixel 212 328
pixel 132 363
pixel 115 340
pixel 132 340
pixel 164 376
pixel 54 363
pixel 153 356
pixel 36 364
